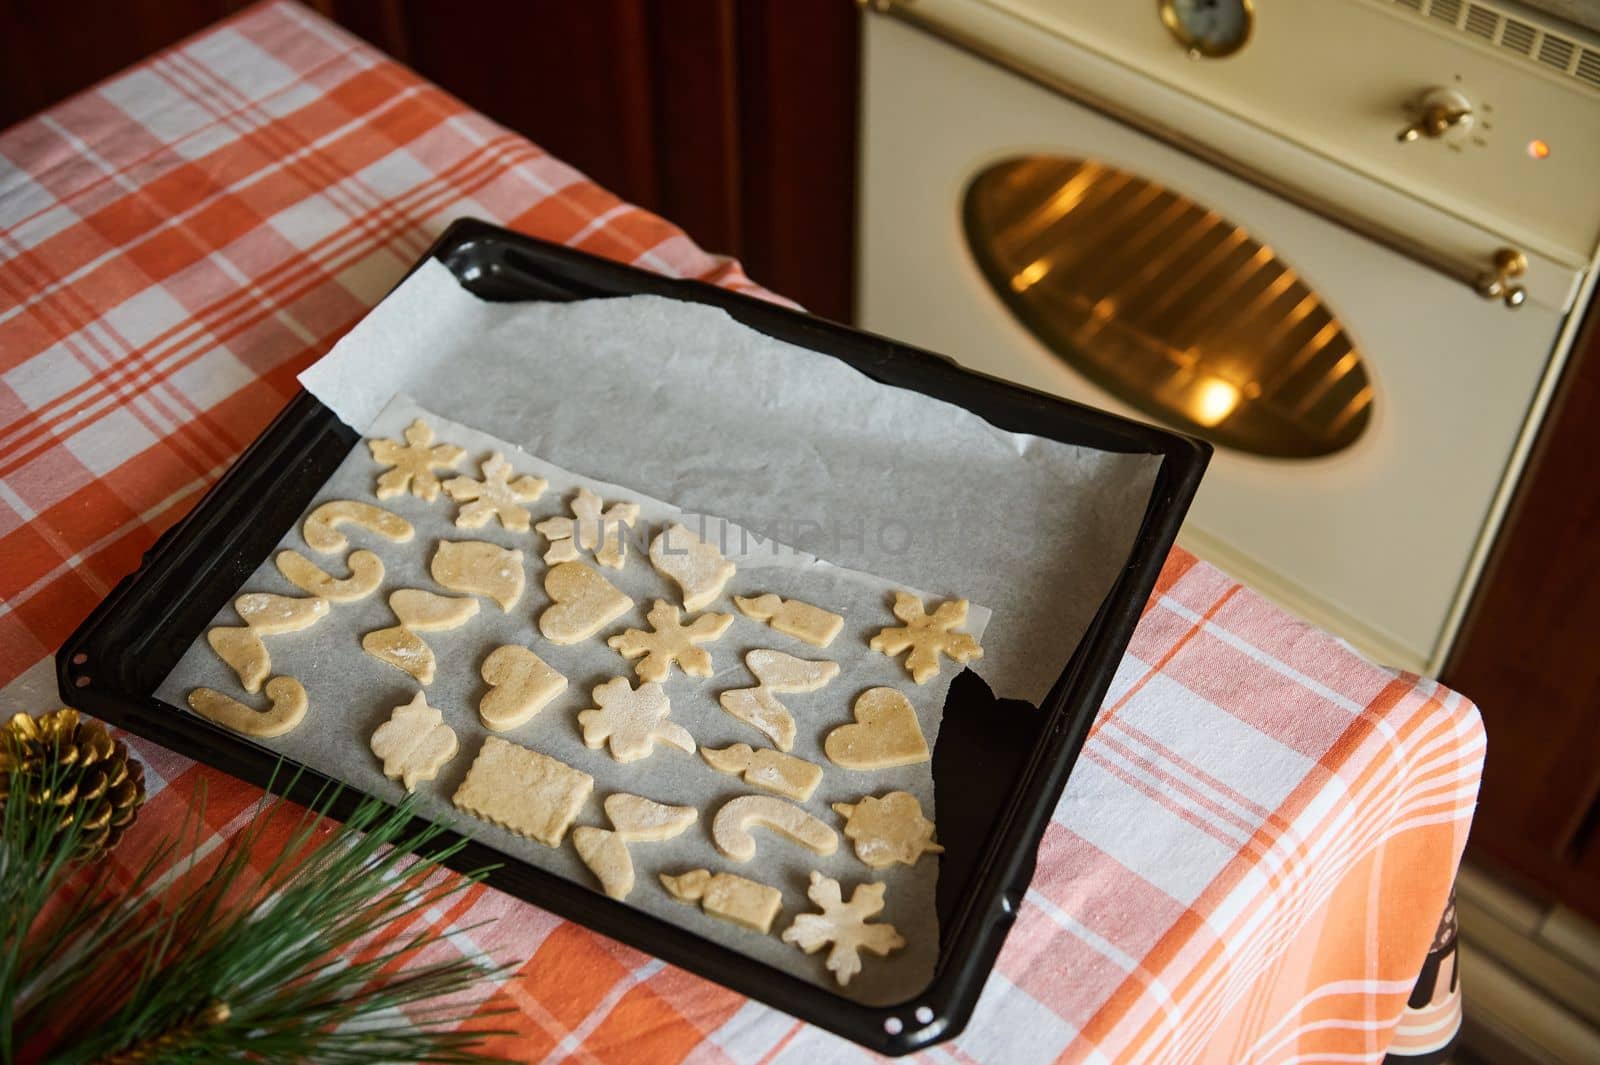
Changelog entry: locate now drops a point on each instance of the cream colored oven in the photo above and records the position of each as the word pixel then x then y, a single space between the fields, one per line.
pixel 1342 239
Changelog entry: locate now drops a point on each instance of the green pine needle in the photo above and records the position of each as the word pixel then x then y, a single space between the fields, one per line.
pixel 208 960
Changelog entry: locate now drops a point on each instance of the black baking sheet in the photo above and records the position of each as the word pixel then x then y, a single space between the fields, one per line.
pixel 1007 763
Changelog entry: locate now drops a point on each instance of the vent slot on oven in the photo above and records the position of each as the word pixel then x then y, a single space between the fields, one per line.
pixel 1512 34
pixel 1168 306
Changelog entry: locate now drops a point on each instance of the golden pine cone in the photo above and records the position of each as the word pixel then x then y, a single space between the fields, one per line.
pixel 73 772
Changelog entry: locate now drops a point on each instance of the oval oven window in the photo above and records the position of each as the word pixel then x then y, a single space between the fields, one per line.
pixel 1168 306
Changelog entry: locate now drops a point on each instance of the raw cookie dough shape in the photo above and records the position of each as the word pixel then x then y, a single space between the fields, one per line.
pixel 496 496
pixel 777 672
pixel 591 529
pixel 928 635
pixel 413 463
pixel 886 733
pixel 289 704
pixel 366 573
pixel 632 722
pixel 523 791
pixel 634 819
pixel 844 924
pixel 730 829
pixel 791 777
pixel 671 641
pixel 264 614
pixel 520 685
pixel 696 566
pixel 321 527
pixel 730 897
pixel 888 829
pixel 418 611
pixel 479 568
pixel 415 743
pixel 581 603
pixel 791 617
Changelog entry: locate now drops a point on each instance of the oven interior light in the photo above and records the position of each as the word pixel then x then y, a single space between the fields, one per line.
pixel 1029 275
pixel 1214 400
pixel 1538 149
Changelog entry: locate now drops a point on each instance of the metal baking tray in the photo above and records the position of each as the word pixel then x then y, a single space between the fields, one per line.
pixel 1009 764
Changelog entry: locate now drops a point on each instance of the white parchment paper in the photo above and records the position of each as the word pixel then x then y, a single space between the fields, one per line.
pixel 679 401
pixel 351 694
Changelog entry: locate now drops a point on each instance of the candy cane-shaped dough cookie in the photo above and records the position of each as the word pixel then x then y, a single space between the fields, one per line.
pixel 730 829
pixel 321 528
pixel 289 705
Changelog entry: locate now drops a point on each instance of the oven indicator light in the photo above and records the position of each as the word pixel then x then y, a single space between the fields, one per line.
pixel 1538 149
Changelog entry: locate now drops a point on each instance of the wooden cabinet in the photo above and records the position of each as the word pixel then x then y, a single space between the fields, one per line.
pixel 733 118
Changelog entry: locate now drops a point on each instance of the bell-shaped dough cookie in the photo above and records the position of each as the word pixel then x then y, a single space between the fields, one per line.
pixel 289 704
pixel 321 527
pixel 886 733
pixel 730 829
pixel 479 568
pixel 581 603
pixel 366 574
pixel 696 566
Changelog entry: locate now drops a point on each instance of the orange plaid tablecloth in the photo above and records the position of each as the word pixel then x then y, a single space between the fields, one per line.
pixel 1252 855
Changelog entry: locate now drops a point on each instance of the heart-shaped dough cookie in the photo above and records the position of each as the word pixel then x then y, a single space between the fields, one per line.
pixel 885 734
pixel 582 602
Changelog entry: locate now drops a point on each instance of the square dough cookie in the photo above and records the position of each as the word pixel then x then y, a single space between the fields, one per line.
pixel 524 791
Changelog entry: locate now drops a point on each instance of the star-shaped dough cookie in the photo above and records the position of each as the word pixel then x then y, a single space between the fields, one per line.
pixel 413 463
pixel 928 636
pixel 496 496
pixel 671 641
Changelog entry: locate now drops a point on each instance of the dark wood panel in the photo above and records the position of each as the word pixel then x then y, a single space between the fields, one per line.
pixel 1529 656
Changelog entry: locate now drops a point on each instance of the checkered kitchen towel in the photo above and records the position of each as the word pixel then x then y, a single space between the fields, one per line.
pixel 1250 859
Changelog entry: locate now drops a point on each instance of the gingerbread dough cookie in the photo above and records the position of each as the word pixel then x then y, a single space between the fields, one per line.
pixel 415 743
pixel 886 733
pixel 928 636
pixel 730 829
pixel 634 819
pixel 264 614
pixel 590 529
pixel 523 791
pixel 844 924
pixel 479 568
pixel 412 463
pixel 418 611
pixel 321 527
pixel 520 685
pixel 730 897
pixel 671 641
pixel 697 567
pixel 791 617
pixel 289 704
pixel 366 574
pixel 496 496
pixel 632 722
pixel 582 603
pixel 791 777
pixel 777 672
pixel 888 830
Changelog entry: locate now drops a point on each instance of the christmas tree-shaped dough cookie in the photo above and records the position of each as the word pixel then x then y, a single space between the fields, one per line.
pixel 843 924
pixel 928 636
pixel 413 462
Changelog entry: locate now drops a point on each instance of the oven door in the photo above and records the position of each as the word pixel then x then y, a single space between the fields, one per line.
pixel 1366 408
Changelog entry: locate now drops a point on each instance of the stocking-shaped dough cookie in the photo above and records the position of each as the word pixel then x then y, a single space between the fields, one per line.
pixel 590 529
pixel 671 641
pixel 289 704
pixel 520 684
pixel 844 924
pixel 413 463
pixel 928 636
pixel 778 672
pixel 698 567
pixel 496 496
pixel 886 733
pixel 632 722
pixel 479 568
pixel 582 603
pixel 414 743
pixel 730 829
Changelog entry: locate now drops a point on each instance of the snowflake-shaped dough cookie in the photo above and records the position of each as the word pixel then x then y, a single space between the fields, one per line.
pixel 928 635
pixel 591 529
pixel 414 743
pixel 632 722
pixel 671 641
pixel 496 496
pixel 844 924
pixel 413 463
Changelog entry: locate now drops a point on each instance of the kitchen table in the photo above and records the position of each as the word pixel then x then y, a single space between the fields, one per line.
pixel 1252 855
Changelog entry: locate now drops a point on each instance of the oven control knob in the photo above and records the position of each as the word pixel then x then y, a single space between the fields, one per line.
pixel 1438 112
pixel 1496 284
